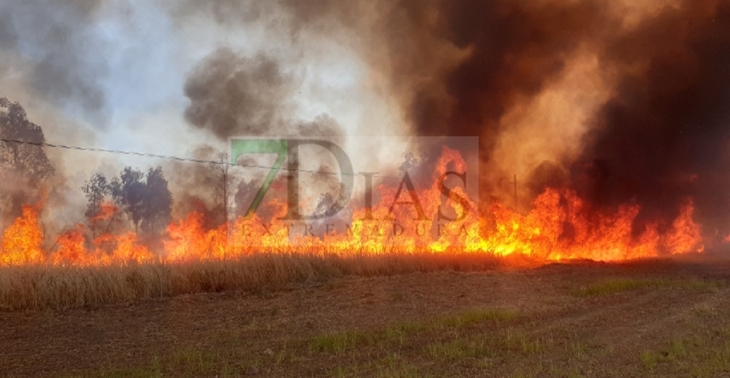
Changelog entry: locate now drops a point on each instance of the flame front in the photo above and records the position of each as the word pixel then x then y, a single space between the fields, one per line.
pixel 559 227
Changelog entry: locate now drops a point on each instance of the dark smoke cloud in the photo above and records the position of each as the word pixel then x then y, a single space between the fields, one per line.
pixel 221 11
pixel 508 51
pixel 515 47
pixel 664 136
pixel 237 96
pixel 661 137
pixel 232 95
pixel 459 66
pixel 55 39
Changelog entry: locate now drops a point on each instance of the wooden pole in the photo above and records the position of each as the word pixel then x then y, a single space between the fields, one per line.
pixel 225 188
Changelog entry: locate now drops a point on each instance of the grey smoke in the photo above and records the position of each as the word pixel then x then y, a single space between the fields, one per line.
pixel 61 50
pixel 233 95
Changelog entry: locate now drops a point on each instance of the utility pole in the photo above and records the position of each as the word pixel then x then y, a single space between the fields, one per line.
pixel 225 188
pixel 225 191
pixel 223 158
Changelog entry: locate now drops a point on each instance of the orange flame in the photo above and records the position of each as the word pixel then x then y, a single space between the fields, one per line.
pixel 21 242
pixel 559 227
pixel 107 211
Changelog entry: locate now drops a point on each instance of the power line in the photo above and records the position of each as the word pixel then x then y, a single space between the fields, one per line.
pixel 93 149
pixel 175 158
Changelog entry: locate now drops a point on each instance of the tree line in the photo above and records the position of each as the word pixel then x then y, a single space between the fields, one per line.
pixel 143 198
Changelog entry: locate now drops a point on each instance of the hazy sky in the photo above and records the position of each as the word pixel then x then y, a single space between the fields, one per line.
pixel 111 74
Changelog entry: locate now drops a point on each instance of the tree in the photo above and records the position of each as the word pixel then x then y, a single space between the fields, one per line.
pixel 28 160
pixel 146 200
pixel 23 161
pixel 96 189
pixel 156 203
pixel 128 192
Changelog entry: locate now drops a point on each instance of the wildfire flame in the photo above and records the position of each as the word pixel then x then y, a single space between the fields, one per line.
pixel 558 227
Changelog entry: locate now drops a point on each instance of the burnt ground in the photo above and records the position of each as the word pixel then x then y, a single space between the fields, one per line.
pixel 647 318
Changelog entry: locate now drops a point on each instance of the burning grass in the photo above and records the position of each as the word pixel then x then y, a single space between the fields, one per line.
pixel 87 268
pixel 561 226
pixel 82 272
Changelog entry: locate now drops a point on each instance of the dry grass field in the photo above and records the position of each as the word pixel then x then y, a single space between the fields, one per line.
pixel 450 316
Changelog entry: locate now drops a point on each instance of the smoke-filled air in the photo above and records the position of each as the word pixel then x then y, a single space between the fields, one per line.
pixel 600 130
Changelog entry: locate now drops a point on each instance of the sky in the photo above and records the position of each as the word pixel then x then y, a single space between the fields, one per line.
pixel 110 74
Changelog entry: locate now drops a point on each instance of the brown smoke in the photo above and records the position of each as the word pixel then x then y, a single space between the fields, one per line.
pixel 663 136
pixel 622 101
pixel 657 137
pixel 232 95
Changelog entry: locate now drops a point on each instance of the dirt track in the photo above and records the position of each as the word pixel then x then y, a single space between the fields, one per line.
pixel 270 333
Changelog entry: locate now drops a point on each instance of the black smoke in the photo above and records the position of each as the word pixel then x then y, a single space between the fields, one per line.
pixel 458 66
pixel 661 138
pixel 665 134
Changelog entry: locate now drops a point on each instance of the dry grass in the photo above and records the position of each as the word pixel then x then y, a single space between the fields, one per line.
pixel 61 287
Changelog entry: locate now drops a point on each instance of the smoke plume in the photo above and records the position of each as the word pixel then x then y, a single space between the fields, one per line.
pixel 625 103
pixel 621 101
pixel 55 39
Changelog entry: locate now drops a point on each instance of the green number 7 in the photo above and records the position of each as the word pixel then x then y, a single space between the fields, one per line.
pixel 279 147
